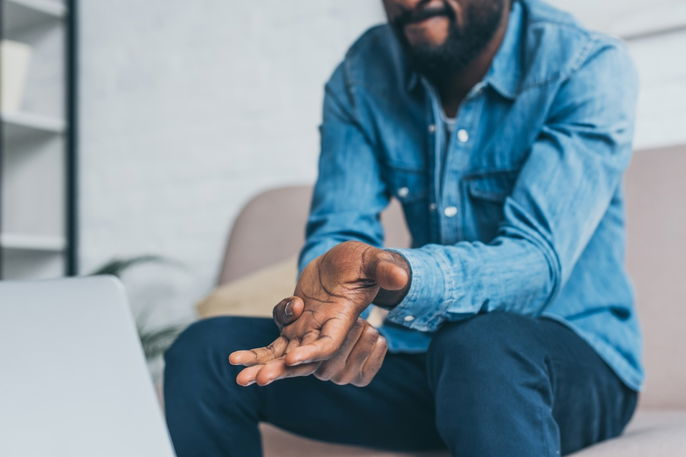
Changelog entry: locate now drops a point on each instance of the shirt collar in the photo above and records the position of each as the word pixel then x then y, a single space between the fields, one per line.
pixel 412 79
pixel 505 72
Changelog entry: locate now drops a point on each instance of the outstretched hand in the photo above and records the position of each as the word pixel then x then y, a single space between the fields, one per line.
pixel 320 322
pixel 356 362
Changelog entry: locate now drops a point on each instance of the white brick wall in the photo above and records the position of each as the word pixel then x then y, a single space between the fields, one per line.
pixel 662 100
pixel 189 108
pixel 656 33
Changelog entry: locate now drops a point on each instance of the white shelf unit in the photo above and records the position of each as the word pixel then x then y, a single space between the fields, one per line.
pixel 35 240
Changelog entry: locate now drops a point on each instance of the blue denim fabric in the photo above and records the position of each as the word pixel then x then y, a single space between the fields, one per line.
pixel 521 210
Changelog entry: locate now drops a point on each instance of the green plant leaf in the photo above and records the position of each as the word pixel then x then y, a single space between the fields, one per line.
pixel 116 267
pixel 156 341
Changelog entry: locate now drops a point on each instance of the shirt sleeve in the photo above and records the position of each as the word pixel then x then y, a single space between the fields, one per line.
pixel 349 194
pixel 563 191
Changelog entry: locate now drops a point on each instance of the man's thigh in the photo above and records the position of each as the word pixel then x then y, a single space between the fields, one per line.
pixel 508 384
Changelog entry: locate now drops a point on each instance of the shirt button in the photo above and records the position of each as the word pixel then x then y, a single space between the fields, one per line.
pixel 432 207
pixel 403 192
pixel 408 318
pixel 432 128
pixel 450 211
pixel 462 135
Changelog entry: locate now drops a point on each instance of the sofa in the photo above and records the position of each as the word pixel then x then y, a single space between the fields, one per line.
pixel 259 268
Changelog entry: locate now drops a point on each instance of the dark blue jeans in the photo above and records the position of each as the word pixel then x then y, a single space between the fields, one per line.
pixel 492 386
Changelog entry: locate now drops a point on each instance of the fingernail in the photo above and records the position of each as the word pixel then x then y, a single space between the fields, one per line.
pixel 287 309
pixel 250 383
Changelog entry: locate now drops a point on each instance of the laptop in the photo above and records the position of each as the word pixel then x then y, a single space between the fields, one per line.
pixel 73 378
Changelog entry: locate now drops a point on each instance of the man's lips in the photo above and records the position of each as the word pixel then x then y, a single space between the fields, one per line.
pixel 415 17
pixel 425 22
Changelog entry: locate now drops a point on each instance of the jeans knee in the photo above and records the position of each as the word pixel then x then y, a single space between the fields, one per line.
pixel 489 344
pixel 480 330
pixel 195 338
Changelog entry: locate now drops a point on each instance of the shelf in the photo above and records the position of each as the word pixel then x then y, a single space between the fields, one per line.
pixel 21 14
pixel 19 126
pixel 37 183
pixel 37 243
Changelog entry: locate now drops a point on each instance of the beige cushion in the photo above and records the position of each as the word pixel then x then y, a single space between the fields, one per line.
pixel 254 294
pixel 650 434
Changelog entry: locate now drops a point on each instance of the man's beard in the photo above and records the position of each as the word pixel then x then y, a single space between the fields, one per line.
pixel 462 45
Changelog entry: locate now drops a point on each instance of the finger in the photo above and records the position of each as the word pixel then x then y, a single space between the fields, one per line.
pixel 247 376
pixel 329 368
pixel 357 357
pixel 270 371
pixel 277 369
pixel 331 338
pixel 260 355
pixel 287 311
pixel 373 363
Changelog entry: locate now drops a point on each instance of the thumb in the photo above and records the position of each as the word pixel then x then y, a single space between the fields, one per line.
pixel 288 311
pixel 391 271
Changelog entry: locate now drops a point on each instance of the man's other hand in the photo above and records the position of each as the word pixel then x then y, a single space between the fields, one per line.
pixel 356 362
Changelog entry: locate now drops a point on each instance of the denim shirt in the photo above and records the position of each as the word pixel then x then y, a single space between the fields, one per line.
pixel 520 210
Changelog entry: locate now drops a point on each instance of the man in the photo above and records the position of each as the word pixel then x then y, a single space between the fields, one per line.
pixel 504 128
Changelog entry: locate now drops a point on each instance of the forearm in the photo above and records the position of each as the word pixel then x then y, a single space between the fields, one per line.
pixel 455 282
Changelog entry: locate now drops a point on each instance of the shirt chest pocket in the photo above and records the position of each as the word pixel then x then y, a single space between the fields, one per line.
pixel 485 196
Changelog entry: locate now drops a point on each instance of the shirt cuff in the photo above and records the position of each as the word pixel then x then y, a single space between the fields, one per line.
pixel 424 306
